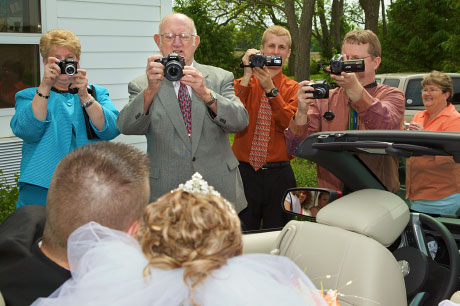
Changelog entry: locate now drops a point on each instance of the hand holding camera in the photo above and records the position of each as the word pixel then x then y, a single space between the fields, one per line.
pixel 55 67
pixel 412 126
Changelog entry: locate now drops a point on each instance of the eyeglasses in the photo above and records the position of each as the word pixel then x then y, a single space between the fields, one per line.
pixel 430 90
pixel 357 57
pixel 182 36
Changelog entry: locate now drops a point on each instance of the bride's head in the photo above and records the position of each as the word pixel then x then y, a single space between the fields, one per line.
pixel 196 231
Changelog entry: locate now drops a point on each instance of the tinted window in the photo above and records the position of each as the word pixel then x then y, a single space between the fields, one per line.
pixel 20 16
pixel 392 82
pixel 19 69
pixel 414 92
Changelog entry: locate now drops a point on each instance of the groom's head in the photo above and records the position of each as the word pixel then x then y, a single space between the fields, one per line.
pixel 105 182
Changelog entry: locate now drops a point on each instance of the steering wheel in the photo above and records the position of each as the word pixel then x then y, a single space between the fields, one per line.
pixel 419 269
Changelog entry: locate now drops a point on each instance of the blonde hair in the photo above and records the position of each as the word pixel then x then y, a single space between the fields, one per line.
pixel 195 231
pixel 364 37
pixel 441 80
pixel 59 38
pixel 278 31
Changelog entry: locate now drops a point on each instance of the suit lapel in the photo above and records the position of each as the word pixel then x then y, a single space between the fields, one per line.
pixel 199 110
pixel 168 99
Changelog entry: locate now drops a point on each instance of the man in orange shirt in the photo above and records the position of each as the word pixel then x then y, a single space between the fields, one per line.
pixel 270 98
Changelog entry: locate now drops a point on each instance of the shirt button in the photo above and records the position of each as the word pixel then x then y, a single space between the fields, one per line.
pixel 69 104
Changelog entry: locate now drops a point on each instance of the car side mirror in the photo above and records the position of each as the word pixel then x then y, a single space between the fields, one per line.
pixel 307 201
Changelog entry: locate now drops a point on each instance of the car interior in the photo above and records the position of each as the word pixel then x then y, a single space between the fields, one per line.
pixel 367 244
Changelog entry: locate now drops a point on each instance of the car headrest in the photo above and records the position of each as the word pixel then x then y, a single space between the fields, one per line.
pixel 378 214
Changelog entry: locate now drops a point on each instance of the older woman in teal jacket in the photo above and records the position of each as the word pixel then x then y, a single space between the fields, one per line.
pixel 51 120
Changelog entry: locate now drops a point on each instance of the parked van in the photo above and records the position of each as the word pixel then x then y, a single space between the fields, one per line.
pixel 410 84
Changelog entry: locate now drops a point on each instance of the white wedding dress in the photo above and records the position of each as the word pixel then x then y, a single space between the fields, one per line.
pixel 107 269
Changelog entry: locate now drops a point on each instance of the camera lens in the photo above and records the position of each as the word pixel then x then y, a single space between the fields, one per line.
pixel 320 93
pixel 70 69
pixel 173 71
pixel 257 60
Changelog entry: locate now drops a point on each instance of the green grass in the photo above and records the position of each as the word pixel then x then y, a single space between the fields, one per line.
pixel 304 172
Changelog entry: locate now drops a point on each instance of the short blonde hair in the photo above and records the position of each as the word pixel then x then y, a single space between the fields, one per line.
pixel 441 80
pixel 278 31
pixel 195 231
pixel 59 38
pixel 364 37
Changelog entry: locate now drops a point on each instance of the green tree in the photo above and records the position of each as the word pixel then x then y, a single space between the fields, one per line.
pixel 217 40
pixel 422 35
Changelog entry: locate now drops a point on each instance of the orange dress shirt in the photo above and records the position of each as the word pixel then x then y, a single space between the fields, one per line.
pixel 284 106
pixel 434 177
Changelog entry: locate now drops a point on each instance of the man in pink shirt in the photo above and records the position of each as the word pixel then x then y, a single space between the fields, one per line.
pixel 359 103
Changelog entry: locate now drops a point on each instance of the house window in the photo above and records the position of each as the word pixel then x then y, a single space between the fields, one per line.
pixel 19 69
pixel 20 16
pixel 19 59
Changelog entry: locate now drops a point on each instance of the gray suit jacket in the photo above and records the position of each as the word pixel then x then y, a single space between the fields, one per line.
pixel 173 158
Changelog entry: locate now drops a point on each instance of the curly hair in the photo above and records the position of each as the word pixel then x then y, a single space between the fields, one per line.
pixel 195 231
pixel 59 38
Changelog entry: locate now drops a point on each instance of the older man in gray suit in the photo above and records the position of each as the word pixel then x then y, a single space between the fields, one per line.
pixel 186 138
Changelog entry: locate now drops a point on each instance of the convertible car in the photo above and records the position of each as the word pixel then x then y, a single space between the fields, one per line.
pixel 366 245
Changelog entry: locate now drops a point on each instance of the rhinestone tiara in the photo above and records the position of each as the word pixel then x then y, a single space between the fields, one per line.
pixel 198 185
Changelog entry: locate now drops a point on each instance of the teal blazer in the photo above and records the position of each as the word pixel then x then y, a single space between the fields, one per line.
pixel 46 142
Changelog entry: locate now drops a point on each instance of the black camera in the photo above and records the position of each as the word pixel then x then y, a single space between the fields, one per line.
pixel 321 90
pixel 337 65
pixel 174 65
pixel 259 60
pixel 68 66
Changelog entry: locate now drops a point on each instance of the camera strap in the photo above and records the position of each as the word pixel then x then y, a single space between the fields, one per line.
pixel 371 85
pixel 90 133
pixel 243 65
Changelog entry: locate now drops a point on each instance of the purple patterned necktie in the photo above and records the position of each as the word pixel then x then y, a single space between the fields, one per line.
pixel 185 103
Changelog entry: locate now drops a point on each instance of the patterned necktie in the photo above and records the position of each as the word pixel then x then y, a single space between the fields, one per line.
pixel 185 103
pixel 259 146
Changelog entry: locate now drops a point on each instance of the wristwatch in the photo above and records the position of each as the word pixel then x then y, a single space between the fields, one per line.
pixel 272 93
pixel 213 99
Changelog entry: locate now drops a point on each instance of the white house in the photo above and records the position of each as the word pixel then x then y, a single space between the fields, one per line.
pixel 116 38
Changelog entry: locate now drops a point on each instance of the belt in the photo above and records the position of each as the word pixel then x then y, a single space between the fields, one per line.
pixel 272 165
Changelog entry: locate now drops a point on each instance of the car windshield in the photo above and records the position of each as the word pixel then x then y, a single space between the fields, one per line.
pixel 424 162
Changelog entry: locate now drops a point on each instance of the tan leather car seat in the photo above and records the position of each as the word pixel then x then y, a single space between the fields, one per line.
pixel 456 297
pixel 346 249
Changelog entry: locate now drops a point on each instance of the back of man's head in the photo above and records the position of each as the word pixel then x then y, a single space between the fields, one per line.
pixel 105 182
pixel 364 37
